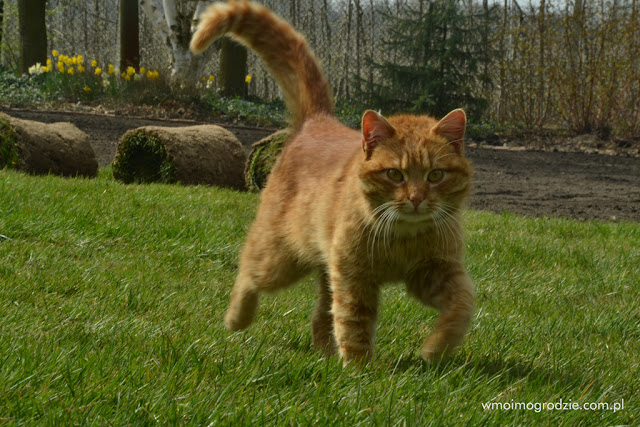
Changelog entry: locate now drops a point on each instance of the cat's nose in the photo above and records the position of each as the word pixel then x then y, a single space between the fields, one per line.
pixel 416 198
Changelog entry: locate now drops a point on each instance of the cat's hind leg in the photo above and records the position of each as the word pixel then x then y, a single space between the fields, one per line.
pixel 446 287
pixel 265 266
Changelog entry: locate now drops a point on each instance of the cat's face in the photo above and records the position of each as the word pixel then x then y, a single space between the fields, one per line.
pixel 414 172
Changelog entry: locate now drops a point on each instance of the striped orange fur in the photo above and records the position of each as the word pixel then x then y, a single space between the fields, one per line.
pixel 362 208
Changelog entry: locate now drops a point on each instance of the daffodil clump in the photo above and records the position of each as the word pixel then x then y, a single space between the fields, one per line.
pixel 206 82
pixel 76 78
pixel 73 77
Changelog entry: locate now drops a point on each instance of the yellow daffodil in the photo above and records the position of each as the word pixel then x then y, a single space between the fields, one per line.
pixel 211 77
pixel 48 63
pixel 71 71
pixel 143 70
pixel 81 68
pixel 94 63
pixel 97 71
pixel 111 70
pixel 54 53
pixel 131 71
pixel 203 79
pixel 248 79
pixel 60 66
pixel 80 59
pixel 86 89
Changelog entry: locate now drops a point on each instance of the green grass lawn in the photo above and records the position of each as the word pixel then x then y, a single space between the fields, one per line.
pixel 112 299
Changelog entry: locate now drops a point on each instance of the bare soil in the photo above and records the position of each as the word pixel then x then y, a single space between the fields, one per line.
pixel 532 183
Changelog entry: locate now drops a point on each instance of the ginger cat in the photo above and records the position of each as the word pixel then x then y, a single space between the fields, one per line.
pixel 361 208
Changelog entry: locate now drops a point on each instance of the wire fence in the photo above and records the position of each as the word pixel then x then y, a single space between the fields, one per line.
pixel 341 32
pixel 575 61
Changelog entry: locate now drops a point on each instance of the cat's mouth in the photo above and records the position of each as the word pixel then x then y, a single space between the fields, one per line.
pixel 415 217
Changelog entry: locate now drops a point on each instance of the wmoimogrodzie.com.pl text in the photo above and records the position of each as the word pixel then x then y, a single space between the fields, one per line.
pixel 553 406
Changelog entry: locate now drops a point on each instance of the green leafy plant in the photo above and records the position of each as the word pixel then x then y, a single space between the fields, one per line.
pixel 249 110
pixel 143 159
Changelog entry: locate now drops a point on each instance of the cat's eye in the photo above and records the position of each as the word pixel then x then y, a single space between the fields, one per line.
pixel 395 175
pixel 435 176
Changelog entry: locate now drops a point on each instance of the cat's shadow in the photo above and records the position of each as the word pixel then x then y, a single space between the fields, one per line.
pixel 508 371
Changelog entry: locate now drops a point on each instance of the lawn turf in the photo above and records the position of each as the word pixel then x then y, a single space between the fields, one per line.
pixel 112 298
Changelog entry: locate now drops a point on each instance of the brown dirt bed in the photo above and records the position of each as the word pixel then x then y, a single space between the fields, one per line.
pixel 533 183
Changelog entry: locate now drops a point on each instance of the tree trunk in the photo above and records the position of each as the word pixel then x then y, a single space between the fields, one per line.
pixel 174 21
pixel 486 25
pixel 33 33
pixel 1 22
pixel 129 35
pixel 502 104
pixel 541 65
pixel 233 68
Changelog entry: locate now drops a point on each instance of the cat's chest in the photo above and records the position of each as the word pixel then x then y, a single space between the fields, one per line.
pixel 392 259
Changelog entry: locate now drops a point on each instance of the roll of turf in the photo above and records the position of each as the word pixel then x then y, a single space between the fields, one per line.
pixel 203 154
pixel 45 148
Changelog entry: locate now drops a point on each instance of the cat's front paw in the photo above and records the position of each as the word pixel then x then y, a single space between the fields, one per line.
pixel 435 350
pixel 355 355
pixel 357 362
pixel 237 321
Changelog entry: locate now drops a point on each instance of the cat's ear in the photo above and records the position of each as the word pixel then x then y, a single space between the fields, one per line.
pixel 452 127
pixel 375 129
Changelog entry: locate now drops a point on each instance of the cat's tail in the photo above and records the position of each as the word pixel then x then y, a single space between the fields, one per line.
pixel 281 47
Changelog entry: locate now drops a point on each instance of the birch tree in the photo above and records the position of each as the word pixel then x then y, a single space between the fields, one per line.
pixel 175 21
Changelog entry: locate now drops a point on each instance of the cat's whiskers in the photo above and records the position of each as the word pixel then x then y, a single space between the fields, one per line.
pixel 369 221
pixel 388 228
pixel 379 230
pixel 450 222
pixel 381 222
pixel 439 158
pixel 441 228
pixel 435 155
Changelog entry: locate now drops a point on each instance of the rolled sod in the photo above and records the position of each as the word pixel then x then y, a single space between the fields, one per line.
pixel 262 158
pixel 43 148
pixel 204 154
